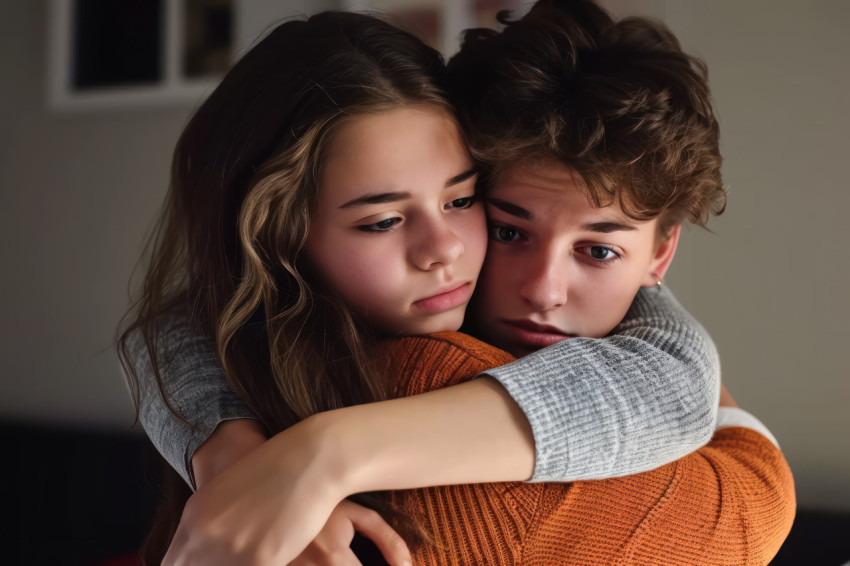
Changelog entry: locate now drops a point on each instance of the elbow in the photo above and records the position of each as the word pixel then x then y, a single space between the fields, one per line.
pixel 705 378
pixel 698 417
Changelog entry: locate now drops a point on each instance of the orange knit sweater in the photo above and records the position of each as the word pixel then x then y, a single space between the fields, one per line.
pixel 731 502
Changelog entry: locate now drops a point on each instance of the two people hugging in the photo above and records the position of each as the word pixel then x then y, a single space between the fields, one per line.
pixel 295 352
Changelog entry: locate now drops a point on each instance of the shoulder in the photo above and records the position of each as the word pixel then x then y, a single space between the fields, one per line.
pixel 454 346
pixel 421 363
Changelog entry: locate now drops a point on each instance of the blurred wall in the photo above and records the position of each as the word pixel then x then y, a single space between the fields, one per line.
pixel 771 285
pixel 78 190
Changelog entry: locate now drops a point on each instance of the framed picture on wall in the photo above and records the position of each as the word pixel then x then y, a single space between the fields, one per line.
pixel 106 53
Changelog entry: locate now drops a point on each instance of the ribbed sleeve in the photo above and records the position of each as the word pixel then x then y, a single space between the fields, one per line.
pixel 638 399
pixel 598 408
pixel 195 385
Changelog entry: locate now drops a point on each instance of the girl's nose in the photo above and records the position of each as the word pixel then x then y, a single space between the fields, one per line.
pixel 437 246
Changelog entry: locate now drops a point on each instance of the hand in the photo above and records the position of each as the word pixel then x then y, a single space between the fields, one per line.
pixel 263 509
pixel 332 547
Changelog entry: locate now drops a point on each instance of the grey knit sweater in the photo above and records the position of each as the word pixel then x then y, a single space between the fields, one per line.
pixel 640 398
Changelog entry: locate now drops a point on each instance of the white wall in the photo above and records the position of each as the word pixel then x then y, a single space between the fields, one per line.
pixel 78 191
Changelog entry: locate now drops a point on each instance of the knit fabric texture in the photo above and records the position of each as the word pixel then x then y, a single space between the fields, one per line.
pixel 639 398
pixel 730 503
pixel 598 408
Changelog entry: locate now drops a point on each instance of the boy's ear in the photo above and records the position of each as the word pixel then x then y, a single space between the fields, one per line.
pixel 663 258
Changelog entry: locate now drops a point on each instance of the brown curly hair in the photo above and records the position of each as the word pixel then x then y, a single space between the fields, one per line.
pixel 618 102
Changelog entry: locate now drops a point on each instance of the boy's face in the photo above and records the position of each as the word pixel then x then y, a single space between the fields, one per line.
pixel 556 266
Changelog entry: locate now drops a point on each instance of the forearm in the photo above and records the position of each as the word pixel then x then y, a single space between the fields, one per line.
pixel 469 433
pixel 625 393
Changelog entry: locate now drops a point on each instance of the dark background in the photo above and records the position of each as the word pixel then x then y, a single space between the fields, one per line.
pixel 87 497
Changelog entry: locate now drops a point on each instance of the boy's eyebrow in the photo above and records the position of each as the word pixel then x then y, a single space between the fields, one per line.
pixel 376 198
pixel 510 208
pixel 520 212
pixel 607 227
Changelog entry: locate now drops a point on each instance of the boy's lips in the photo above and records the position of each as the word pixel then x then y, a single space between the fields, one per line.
pixel 533 334
pixel 453 296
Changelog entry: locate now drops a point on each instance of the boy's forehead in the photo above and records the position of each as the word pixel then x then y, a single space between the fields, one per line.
pixel 543 190
pixel 538 176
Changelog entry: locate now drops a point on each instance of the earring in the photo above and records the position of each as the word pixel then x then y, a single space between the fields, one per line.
pixel 659 284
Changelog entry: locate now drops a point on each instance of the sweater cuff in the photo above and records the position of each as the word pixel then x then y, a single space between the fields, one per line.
pixel 728 417
pixel 199 436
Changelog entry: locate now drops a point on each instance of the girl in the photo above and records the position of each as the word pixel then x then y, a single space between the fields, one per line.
pixel 299 187
pixel 276 223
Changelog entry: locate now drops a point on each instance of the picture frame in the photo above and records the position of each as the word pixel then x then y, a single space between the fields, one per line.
pixel 104 54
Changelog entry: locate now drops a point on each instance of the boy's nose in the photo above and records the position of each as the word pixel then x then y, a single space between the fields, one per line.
pixel 545 286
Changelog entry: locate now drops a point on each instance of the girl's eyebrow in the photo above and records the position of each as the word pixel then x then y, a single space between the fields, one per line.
pixel 381 198
pixel 462 177
pixel 376 198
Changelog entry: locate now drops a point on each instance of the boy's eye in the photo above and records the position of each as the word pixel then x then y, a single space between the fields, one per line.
pixel 461 203
pixel 504 233
pixel 382 226
pixel 601 254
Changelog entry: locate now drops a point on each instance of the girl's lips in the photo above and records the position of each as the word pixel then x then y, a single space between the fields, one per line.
pixel 534 335
pixel 446 300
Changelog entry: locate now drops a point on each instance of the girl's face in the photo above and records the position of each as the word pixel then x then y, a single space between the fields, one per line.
pixel 397 232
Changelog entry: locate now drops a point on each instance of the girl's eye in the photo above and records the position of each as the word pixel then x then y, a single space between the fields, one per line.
pixel 504 233
pixel 382 226
pixel 461 203
pixel 601 254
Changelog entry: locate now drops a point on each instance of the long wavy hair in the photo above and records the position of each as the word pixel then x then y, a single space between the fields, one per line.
pixel 228 248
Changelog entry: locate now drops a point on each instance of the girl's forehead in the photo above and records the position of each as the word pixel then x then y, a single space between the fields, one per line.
pixel 392 151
